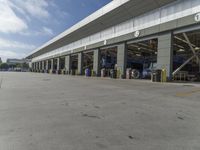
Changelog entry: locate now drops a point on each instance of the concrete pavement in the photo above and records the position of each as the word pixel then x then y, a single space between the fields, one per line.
pixel 55 112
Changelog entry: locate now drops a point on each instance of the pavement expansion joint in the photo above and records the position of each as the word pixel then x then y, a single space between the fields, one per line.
pixel 1 82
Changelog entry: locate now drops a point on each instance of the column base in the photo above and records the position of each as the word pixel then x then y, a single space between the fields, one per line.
pixel 52 71
pixel 63 71
pixel 73 72
pixel 67 72
pixel 58 71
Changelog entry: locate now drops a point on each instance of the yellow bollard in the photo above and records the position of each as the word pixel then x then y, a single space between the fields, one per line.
pixel 118 73
pixel 164 75
pixel 92 73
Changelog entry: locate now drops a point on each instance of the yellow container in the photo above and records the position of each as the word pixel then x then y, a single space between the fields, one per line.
pixel 164 75
pixel 118 73
pixel 92 73
pixel 62 71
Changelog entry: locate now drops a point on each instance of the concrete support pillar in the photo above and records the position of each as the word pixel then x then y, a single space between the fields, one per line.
pixel 47 65
pixel 96 62
pixel 33 66
pixel 38 66
pixel 80 63
pixel 52 65
pixel 122 59
pixel 58 64
pixel 67 64
pixel 165 53
pixel 42 65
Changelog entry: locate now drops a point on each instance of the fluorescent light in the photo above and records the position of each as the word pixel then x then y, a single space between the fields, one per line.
pixel 138 54
pixel 181 50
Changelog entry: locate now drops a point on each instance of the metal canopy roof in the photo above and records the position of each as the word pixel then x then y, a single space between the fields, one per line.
pixel 114 13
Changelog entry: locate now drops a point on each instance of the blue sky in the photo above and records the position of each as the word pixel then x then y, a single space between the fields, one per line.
pixel 27 24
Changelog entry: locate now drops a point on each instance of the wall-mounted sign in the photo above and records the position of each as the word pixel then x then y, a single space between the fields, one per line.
pixel 197 17
pixel 137 33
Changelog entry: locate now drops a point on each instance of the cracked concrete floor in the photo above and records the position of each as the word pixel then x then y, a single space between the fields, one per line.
pixel 55 112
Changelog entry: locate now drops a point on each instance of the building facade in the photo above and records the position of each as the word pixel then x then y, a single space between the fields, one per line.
pixel 141 35
pixel 12 61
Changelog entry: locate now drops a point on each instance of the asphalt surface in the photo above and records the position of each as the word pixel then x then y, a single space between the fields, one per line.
pixel 57 112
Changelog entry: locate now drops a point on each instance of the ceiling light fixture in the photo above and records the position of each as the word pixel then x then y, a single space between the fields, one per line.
pixel 138 54
pixel 181 50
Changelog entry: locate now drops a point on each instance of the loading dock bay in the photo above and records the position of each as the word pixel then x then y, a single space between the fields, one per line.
pixel 159 39
pixel 141 59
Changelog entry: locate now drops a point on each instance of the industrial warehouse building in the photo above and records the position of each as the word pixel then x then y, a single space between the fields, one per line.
pixel 128 35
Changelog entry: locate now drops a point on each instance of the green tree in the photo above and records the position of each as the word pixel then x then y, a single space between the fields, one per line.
pixel 12 65
pixel 25 66
pixel 4 66
pixel 18 65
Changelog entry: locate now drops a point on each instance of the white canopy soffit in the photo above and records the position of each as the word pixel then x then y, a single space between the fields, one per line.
pixel 113 13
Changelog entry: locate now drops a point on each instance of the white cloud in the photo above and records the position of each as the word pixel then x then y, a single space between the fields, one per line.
pixel 14 11
pixel 35 8
pixel 15 16
pixel 9 22
pixel 14 44
pixel 4 54
pixel 47 31
pixel 13 49
pixel 43 32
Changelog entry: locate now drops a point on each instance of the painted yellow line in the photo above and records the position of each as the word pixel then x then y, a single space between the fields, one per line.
pixel 182 94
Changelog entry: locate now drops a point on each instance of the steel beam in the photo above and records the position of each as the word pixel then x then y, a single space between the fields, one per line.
pixel 183 65
pixel 191 47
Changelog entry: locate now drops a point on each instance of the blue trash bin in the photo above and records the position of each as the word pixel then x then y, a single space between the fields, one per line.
pixel 87 72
